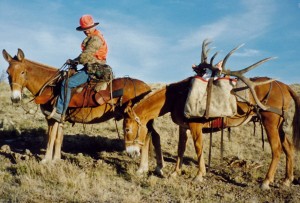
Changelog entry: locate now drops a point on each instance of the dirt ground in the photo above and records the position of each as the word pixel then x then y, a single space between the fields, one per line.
pixel 95 167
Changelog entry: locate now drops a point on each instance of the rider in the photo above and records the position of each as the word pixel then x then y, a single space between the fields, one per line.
pixel 94 50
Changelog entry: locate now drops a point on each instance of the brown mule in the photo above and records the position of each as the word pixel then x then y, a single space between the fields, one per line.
pixel 276 97
pixel 172 99
pixel 24 73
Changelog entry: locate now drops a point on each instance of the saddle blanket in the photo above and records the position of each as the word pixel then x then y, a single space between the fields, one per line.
pixel 82 96
pixel 222 104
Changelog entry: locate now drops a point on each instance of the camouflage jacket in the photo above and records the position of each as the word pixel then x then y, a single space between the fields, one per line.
pixel 91 45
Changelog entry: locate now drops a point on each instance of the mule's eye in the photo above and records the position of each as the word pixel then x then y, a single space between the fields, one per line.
pixel 23 72
pixel 128 130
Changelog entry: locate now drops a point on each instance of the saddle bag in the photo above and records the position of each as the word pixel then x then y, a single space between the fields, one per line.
pixel 100 72
pixel 222 103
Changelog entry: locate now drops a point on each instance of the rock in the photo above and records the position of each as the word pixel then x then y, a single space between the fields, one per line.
pixel 8 125
pixel 28 152
pixel 6 148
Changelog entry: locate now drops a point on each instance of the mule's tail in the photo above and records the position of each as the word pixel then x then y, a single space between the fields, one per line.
pixel 296 119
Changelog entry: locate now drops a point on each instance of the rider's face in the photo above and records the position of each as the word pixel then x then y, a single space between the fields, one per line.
pixel 89 31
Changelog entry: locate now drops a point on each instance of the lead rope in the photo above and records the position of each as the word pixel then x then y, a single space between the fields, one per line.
pixel 222 138
pixel 111 90
pixel 112 104
pixel 26 109
pixel 117 129
pixel 65 107
pixel 210 146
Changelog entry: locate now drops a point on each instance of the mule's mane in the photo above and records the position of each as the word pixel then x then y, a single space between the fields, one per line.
pixel 40 64
pixel 149 95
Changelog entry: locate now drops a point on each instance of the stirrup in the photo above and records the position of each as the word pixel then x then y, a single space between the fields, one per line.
pixel 52 113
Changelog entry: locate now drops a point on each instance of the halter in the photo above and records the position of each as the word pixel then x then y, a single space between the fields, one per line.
pixel 22 104
pixel 140 125
pixel 17 84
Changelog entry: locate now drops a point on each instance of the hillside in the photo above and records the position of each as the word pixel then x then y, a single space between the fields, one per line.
pixel 95 167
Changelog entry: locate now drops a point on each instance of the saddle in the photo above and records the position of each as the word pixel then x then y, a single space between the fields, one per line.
pixel 85 95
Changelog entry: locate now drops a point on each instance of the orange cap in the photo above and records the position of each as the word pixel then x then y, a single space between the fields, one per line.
pixel 86 22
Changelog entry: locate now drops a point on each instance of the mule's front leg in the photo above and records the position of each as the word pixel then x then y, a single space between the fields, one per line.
pixel 157 147
pixel 52 131
pixel 144 163
pixel 58 142
pixel 196 131
pixel 180 151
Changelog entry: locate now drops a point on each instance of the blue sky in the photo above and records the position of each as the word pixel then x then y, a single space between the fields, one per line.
pixel 159 40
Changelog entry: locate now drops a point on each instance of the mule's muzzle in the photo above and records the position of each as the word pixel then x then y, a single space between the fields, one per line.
pixel 133 151
pixel 15 99
pixel 16 96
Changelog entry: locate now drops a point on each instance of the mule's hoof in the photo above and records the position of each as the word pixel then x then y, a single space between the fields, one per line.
pixel 265 186
pixel 286 183
pixel 44 161
pixel 141 171
pixel 158 171
pixel 56 160
pixel 174 174
pixel 198 178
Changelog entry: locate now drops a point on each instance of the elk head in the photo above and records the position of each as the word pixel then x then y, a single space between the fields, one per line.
pixel 239 73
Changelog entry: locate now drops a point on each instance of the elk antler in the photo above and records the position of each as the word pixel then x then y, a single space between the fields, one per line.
pixel 204 64
pixel 204 52
pixel 249 83
pixel 238 73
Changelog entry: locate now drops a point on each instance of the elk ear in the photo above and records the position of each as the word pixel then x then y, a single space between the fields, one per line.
pixel 20 55
pixel 6 56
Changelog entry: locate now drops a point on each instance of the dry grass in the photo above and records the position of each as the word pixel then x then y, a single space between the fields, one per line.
pixel 96 169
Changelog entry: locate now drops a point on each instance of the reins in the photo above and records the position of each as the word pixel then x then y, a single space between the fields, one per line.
pixel 26 110
pixel 53 78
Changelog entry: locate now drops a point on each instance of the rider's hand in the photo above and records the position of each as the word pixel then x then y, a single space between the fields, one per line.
pixel 72 62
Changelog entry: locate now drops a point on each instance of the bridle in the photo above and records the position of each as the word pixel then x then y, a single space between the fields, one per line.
pixel 23 104
pixel 140 125
pixel 17 84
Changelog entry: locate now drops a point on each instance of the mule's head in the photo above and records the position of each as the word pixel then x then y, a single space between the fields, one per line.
pixel 16 74
pixel 134 132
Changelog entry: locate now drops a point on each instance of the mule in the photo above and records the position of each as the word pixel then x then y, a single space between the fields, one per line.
pixel 275 97
pixel 24 73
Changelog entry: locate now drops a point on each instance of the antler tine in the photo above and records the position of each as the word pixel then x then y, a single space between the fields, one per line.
pixel 249 83
pixel 213 57
pixel 204 51
pixel 251 86
pixel 229 54
pixel 245 70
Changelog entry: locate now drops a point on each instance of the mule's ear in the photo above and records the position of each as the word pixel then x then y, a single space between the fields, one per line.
pixel 20 55
pixel 130 103
pixel 6 55
pixel 127 109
